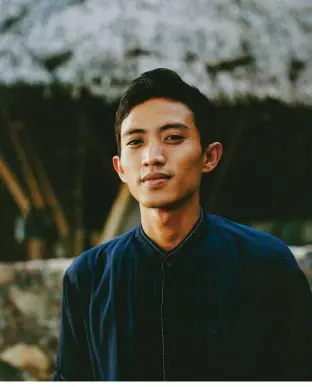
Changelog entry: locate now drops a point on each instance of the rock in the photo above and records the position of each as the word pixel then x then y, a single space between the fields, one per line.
pixel 28 303
pixel 6 274
pixel 30 358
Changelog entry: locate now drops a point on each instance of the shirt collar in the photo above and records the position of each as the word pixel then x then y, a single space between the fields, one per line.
pixel 198 232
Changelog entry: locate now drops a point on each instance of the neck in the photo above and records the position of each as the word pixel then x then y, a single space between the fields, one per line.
pixel 168 227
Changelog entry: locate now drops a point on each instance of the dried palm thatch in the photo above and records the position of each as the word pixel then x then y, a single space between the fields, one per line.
pixel 230 49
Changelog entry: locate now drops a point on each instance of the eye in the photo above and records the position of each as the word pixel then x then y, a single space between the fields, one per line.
pixel 174 138
pixel 134 142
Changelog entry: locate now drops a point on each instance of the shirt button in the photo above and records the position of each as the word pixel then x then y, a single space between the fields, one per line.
pixel 167 263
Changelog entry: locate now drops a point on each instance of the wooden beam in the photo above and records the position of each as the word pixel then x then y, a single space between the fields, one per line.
pixel 47 190
pixel 78 229
pixel 14 187
pixel 35 194
pixel 117 214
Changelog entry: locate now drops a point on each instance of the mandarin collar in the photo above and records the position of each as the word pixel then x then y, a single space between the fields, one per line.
pixel 198 233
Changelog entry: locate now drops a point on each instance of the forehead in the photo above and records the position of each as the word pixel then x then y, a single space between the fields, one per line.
pixel 156 112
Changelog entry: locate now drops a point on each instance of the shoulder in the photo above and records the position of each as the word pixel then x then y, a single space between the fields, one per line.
pixel 95 260
pixel 254 244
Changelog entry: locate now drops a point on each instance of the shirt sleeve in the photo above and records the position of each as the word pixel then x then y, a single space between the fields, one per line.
pixel 73 360
pixel 294 332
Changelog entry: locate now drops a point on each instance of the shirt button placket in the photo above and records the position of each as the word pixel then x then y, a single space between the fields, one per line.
pixel 165 264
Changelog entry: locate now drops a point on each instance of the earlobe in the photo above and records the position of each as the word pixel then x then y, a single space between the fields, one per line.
pixel 118 168
pixel 212 157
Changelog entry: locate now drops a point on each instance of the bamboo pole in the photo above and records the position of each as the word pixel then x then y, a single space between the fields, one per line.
pixel 80 163
pixel 48 192
pixel 14 187
pixel 35 194
pixel 35 247
pixel 117 213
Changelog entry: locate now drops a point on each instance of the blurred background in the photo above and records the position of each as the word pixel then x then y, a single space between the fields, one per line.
pixel 64 65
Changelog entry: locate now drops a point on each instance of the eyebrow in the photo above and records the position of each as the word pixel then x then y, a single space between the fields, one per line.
pixel 171 125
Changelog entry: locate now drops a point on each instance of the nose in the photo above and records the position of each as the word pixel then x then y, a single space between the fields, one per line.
pixel 153 154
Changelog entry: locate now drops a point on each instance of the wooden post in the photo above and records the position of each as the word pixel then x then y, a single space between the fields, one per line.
pixel 117 213
pixel 78 207
pixel 35 194
pixel 14 187
pixel 50 197
pixel 35 246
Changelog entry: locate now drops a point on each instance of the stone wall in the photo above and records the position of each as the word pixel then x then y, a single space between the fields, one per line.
pixel 30 318
pixel 30 315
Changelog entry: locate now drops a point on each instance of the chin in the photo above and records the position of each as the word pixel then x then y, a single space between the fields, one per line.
pixel 156 202
pixel 163 203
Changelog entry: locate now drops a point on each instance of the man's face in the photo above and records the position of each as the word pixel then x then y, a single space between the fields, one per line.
pixel 161 154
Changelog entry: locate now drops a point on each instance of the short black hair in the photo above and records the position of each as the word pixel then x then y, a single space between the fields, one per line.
pixel 165 83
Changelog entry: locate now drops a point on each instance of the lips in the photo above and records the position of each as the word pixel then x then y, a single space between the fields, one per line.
pixel 155 176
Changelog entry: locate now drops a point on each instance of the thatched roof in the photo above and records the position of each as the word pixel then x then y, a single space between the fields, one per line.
pixel 227 48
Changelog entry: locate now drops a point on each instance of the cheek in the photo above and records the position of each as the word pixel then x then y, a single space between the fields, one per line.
pixel 189 159
pixel 130 168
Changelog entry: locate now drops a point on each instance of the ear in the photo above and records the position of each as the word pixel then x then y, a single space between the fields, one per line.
pixel 212 156
pixel 118 168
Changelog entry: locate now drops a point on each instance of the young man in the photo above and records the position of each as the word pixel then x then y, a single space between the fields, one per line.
pixel 186 295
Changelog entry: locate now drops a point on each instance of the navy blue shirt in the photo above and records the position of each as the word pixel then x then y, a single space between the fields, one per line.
pixel 228 303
